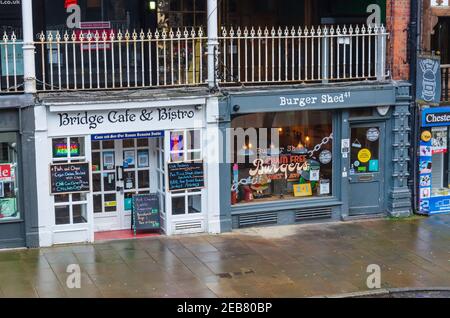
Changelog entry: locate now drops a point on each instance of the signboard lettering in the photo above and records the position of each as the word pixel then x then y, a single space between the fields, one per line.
pixel 69 178
pixel 186 175
pixel 146 212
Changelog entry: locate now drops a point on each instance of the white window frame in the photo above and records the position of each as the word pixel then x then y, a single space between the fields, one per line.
pixel 71 203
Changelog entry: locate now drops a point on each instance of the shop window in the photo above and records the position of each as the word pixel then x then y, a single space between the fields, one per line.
pixel 281 156
pixel 186 146
pixel 9 182
pixel 69 208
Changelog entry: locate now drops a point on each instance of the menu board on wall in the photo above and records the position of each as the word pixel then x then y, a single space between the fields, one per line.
pixel 146 212
pixel 186 175
pixel 69 178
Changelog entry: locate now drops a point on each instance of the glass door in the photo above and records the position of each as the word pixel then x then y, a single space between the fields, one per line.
pixel 105 183
pixel 135 160
pixel 120 169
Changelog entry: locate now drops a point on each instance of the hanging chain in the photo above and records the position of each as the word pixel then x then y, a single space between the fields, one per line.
pixel 324 142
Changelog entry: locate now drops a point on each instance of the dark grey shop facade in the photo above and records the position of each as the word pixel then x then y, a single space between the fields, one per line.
pixel 340 152
pixel 18 200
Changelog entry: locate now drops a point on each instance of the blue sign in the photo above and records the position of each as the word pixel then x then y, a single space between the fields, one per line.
pixel 436 117
pixel 128 135
pixel 429 79
pixel 435 205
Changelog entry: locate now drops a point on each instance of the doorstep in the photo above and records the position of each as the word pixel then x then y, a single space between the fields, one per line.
pixel 121 235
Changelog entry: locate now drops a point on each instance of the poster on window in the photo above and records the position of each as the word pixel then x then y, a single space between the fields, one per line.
pixel 439 140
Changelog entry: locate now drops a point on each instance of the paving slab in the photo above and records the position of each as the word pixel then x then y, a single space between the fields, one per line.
pixel 288 261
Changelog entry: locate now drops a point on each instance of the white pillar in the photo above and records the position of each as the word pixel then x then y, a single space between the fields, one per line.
pixel 28 47
pixel 213 42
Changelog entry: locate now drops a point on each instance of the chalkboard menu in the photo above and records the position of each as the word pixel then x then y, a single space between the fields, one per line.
pixel 69 178
pixel 146 212
pixel 186 175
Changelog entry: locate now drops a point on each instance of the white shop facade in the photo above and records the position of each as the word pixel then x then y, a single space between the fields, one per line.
pixel 125 149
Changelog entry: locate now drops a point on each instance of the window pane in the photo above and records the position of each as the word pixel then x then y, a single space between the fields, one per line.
pixel 176 141
pixel 110 203
pixel 129 159
pixel 194 140
pixel 97 182
pixel 194 156
pixel 109 160
pixel 78 197
pixel 195 204
pixel 128 143
pixel 108 144
pixel 96 162
pixel 79 214
pixel 59 146
pixel 98 203
pixel 62 215
pixel 77 147
pixel 109 182
pixel 95 145
pixel 365 148
pixel 9 191
pixel 62 198
pixel 177 157
pixel 144 179
pixel 129 180
pixel 142 142
pixel 178 206
pixel 294 161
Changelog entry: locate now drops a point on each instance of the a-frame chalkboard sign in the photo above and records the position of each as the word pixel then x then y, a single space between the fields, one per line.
pixel 146 213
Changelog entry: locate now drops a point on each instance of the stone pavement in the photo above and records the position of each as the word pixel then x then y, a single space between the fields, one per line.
pixel 292 261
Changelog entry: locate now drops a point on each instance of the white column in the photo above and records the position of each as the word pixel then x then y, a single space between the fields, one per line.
pixel 28 47
pixel 214 150
pixel 213 42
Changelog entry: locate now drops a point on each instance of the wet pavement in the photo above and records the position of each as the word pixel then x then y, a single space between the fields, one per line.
pixel 292 261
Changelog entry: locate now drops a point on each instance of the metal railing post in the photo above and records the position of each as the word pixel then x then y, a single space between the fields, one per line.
pixel 381 54
pixel 325 56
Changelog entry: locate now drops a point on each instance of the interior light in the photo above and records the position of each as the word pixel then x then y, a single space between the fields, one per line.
pixel 152 5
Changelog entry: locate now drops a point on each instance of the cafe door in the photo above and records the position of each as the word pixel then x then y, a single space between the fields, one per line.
pixel 121 169
pixel 366 173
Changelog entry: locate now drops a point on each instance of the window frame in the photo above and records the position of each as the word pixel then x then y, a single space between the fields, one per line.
pixel 84 196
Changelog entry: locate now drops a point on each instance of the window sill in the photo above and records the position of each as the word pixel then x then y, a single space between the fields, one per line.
pixel 284 205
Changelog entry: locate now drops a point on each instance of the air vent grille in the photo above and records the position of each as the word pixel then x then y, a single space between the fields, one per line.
pixel 258 219
pixel 313 214
pixel 189 226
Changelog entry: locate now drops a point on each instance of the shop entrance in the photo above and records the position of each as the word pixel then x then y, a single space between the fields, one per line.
pixel 366 174
pixel 121 169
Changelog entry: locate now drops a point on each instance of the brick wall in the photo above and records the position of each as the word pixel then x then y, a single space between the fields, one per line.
pixel 397 22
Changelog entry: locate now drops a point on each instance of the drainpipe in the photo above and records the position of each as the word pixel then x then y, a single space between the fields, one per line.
pixel 414 50
pixel 28 47
pixel 213 44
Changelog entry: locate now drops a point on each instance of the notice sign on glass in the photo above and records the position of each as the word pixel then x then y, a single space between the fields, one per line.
pixel 146 212
pixel 69 178
pixel 186 176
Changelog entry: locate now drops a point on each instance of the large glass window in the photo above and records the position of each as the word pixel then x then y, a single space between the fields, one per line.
pixel 69 208
pixel 281 156
pixel 186 146
pixel 9 191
